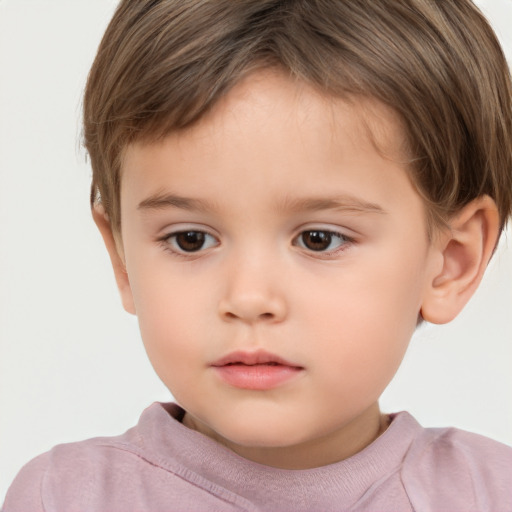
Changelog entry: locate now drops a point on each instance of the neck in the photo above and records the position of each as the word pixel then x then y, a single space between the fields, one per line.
pixel 324 450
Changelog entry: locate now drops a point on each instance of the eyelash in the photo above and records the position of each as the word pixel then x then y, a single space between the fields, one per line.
pixel 170 243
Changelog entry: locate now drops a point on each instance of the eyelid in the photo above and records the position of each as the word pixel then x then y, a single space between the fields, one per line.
pixel 342 231
pixel 181 227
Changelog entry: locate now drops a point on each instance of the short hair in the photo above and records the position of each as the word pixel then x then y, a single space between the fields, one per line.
pixel 162 64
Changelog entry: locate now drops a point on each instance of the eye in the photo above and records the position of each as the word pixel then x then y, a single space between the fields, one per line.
pixel 190 241
pixel 320 240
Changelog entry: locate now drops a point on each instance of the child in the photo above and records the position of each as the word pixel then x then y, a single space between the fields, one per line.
pixel 286 190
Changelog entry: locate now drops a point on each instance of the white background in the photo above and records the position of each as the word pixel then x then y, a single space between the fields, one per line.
pixel 72 365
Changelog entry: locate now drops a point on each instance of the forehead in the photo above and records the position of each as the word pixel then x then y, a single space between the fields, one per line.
pixel 276 134
pixel 255 98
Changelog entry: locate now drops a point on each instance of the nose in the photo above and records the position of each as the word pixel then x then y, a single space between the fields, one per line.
pixel 253 295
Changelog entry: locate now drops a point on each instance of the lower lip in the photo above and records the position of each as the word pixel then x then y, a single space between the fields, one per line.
pixel 257 377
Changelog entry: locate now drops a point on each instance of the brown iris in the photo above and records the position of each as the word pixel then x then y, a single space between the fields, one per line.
pixel 316 240
pixel 190 241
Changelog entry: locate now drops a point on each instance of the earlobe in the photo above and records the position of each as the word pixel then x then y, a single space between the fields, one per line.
pixel 465 249
pixel 114 249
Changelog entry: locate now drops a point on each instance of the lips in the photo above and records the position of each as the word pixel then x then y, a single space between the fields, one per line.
pixel 259 370
pixel 253 358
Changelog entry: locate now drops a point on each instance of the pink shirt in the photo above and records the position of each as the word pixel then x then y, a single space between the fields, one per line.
pixel 160 465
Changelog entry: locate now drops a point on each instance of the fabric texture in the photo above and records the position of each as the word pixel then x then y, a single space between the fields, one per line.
pixel 161 465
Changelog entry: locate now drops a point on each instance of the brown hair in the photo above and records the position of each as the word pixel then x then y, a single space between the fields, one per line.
pixel 162 64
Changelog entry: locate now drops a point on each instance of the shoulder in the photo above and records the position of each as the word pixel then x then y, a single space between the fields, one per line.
pixel 138 470
pixel 71 476
pixel 66 474
pixel 451 469
pixel 25 491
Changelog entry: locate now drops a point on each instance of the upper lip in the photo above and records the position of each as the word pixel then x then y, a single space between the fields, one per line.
pixel 253 358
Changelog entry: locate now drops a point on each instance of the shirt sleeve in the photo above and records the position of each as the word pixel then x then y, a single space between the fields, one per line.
pixel 455 470
pixel 24 494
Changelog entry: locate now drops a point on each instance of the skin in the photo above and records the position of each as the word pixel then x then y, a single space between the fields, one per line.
pixel 273 161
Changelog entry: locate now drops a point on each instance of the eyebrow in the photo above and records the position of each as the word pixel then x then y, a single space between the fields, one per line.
pixel 346 203
pixel 161 201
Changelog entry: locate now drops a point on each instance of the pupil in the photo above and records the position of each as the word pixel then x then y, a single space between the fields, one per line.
pixel 190 240
pixel 317 240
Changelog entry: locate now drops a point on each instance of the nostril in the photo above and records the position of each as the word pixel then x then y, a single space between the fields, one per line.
pixel 252 308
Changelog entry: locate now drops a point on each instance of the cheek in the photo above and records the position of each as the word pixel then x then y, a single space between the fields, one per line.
pixel 171 316
pixel 364 325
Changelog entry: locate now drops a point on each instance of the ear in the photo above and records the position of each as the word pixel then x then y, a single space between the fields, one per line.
pixel 115 252
pixel 465 248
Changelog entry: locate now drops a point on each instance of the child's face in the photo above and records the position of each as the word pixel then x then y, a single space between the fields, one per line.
pixel 275 225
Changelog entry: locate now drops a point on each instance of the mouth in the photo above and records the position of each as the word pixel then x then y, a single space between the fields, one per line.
pixel 260 357
pixel 259 370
